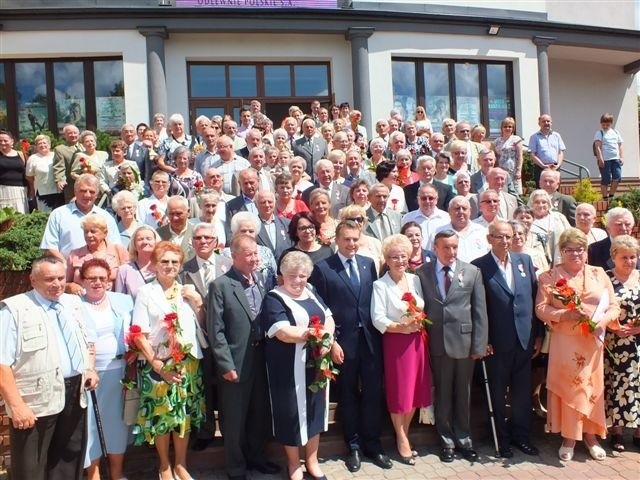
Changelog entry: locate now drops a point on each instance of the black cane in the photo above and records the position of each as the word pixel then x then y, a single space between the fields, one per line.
pixel 492 415
pixel 103 444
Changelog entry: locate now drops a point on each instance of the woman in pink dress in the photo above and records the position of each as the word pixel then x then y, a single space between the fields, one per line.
pixel 575 377
pixel 405 356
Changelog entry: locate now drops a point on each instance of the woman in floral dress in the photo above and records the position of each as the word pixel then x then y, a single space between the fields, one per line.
pixel 622 379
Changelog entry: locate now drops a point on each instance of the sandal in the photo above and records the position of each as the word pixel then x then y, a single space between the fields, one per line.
pixel 596 452
pixel 617 442
pixel 565 453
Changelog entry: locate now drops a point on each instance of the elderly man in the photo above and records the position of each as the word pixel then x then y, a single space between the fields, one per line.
pixel 274 232
pixel 383 221
pixel 338 194
pixel 290 125
pixel 47 360
pixel 382 131
pixel 585 218
pixel 257 161
pixel 249 183
pixel 426 168
pixel 200 272
pixel 63 232
pixel 618 221
pixel 486 161
pixel 497 180
pixel 547 148
pixel 230 129
pixel 397 141
pixel 253 138
pixel 565 204
pixel 210 137
pixel 151 210
pixel 135 151
pixel 179 230
pixel 63 160
pixel 473 149
pixel 226 161
pixel 237 345
pixel 436 143
pixel 355 170
pixel 427 215
pixel 488 205
pixel 472 238
pixel 458 335
pixel 309 146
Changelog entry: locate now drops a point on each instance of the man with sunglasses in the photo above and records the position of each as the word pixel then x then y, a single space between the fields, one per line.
pixel 428 215
pixel 489 204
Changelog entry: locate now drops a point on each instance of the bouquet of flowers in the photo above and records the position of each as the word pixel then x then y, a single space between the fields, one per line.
pixel 174 350
pixel 319 344
pixel 198 186
pixel 198 148
pixel 416 315
pixel 158 215
pixel 130 380
pixel 85 166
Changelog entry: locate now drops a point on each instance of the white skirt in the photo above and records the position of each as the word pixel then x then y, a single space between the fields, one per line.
pixel 15 197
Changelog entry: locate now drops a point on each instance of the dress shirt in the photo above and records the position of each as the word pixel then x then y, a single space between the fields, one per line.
pixel 249 204
pixel 344 259
pixel 252 292
pixel 546 147
pixel 428 224
pixel 505 270
pixel 201 268
pixel 472 241
pixel 440 276
pixel 270 227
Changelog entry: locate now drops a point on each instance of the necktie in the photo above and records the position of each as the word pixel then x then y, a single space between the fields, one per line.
pixel 353 276
pixel 208 273
pixel 384 230
pixel 70 338
pixel 447 279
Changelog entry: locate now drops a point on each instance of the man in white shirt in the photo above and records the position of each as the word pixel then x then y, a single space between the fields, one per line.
pixel 428 215
pixel 489 204
pixel 257 160
pixel 227 162
pixel 497 180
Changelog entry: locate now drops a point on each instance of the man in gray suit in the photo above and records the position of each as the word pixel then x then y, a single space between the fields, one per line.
pixel 179 231
pixel 309 146
pixel 382 221
pixel 457 337
pixel 274 232
pixel 238 352
pixel 565 204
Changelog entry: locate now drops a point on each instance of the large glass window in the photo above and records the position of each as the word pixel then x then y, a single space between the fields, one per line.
pixel 476 91
pixel 109 87
pixel 208 81
pixel 311 80
pixel 242 81
pixel 277 80
pixel 68 80
pixel 31 96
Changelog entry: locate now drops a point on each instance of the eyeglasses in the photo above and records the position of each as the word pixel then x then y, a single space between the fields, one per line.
pixel 306 228
pixel 204 238
pixel 169 262
pixel 96 279
pixel 502 237
pixel 573 251
pixel 428 197
pixel 356 219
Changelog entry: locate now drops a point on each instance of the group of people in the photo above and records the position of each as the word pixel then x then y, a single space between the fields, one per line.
pixel 226 267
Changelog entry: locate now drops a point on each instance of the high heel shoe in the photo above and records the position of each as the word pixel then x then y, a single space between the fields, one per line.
pixel 408 460
pixel 565 453
pixel 596 451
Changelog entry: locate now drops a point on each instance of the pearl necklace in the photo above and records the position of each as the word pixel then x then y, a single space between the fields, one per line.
pixel 97 302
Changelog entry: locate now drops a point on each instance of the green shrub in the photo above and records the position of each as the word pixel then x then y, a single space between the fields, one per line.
pixel 20 239
pixel 629 200
pixel 583 191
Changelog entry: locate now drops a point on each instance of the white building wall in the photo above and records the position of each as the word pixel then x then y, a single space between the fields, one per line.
pixel 607 13
pixel 96 43
pixel 384 46
pixel 580 93
pixel 180 48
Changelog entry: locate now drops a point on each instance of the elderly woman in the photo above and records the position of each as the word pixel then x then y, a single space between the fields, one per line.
pixel 39 174
pixel 478 135
pixel 547 222
pixel 158 126
pixel 585 217
pixel 327 133
pixel 172 393
pixel 405 356
pixel 338 158
pixel 359 194
pixel 208 205
pixel 622 378
pixel 151 210
pixel 462 184
pixel 508 148
pixel 281 139
pixel 125 204
pixel 367 245
pixel 320 207
pixel 188 179
pixel 299 414
pixel 90 160
pixel 177 138
pixel 387 173
pixel 403 162
pixel 448 129
pixel 96 246
pixel 536 240
pixel 303 232
pixel 108 314
pixel 286 205
pixel 110 174
pixel 138 271
pixel 418 255
pixel 297 166
pixel 13 185
pixel 519 245
pixel 575 378
pixel 377 147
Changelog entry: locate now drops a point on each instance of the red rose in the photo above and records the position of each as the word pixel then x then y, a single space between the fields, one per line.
pixel 314 320
pixel 135 329
pixel 561 282
pixel 153 207
pixel 170 317
pixel 407 297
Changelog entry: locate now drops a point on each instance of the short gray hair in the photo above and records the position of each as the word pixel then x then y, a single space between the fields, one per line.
pixel 295 260
pixel 242 217
pixel 617 212
pixel 123 196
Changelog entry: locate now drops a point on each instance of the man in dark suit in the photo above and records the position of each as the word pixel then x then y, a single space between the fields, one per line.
pixel 200 271
pixel 479 180
pixel 565 204
pixel 308 146
pixel 382 221
pixel 249 183
pixel 253 139
pixel 514 336
pixel 426 168
pixel 458 334
pixel 274 231
pixel 179 230
pixel 345 282
pixel 237 346
pixel 618 221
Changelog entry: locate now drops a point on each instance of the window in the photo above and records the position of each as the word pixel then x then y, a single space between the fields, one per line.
pixel 51 93
pixel 476 91
pixel 227 88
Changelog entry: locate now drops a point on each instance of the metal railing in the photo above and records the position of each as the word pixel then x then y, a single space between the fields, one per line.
pixel 573 173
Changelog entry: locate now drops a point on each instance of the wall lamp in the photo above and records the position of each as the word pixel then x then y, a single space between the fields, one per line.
pixel 493 29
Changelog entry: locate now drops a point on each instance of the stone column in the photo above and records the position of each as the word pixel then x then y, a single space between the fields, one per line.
pixel 358 36
pixel 156 78
pixel 542 44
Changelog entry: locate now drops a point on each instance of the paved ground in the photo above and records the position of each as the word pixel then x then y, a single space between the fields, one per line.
pixel 546 466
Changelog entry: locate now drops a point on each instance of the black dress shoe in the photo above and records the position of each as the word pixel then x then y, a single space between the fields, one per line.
pixel 446 455
pixel 266 468
pixel 201 443
pixel 380 460
pixel 307 475
pixel 505 452
pixel 468 453
pixel 237 477
pixel 353 460
pixel 525 447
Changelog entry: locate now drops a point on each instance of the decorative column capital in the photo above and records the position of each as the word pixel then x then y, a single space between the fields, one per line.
pixel 542 41
pixel 153 32
pixel 359 32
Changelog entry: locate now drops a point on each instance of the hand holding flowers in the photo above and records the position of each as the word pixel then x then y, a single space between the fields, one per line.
pixel 319 343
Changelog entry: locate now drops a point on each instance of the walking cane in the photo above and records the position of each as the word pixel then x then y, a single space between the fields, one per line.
pixel 492 415
pixel 103 444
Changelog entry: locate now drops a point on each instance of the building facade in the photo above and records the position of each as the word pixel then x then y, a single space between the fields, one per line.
pixel 99 63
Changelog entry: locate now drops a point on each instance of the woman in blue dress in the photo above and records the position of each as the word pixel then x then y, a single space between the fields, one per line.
pixel 299 414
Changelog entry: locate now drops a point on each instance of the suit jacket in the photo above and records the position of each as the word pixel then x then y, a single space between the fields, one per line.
pixel 511 313
pixel 445 195
pixel 191 274
pixel 230 324
pixel 140 155
pixel 282 236
pixel 165 234
pixel 477 185
pixel 318 150
pixel 460 325
pixel 512 204
pixel 349 308
pixel 234 206
pixel 599 254
pixel 566 205
pixel 339 197
pixel 62 164
pixel 373 228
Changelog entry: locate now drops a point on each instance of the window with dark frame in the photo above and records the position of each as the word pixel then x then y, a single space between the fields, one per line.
pixel 476 91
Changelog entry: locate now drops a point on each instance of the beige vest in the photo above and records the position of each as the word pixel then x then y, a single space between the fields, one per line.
pixel 37 366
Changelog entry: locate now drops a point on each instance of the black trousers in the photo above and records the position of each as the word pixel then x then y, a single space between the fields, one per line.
pixel 208 428
pixel 54 448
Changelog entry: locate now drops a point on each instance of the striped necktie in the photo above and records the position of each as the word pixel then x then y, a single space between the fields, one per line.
pixel 70 339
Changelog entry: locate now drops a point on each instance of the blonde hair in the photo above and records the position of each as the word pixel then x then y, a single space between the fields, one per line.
pixel 397 240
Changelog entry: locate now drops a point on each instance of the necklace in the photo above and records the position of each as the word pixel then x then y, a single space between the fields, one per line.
pixel 97 302
pixel 173 294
